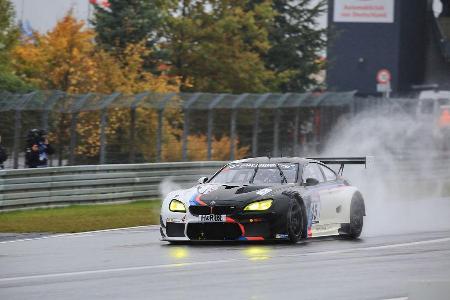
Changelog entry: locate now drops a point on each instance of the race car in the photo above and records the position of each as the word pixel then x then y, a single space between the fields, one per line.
pixel 266 198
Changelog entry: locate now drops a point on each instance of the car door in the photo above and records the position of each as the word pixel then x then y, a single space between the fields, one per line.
pixel 314 193
pixel 332 198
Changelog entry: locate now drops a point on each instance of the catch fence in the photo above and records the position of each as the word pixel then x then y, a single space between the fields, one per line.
pixel 150 127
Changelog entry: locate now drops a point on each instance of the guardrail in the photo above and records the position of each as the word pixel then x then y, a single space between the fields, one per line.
pixel 90 184
pixel 25 188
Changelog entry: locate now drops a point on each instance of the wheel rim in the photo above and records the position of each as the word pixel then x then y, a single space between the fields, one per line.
pixel 295 221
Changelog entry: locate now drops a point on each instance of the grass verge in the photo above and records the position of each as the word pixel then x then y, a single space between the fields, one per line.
pixel 79 218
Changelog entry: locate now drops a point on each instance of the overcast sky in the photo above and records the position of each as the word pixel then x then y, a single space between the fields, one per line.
pixel 43 14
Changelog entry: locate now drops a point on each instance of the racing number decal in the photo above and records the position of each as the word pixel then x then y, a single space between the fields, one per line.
pixel 315 212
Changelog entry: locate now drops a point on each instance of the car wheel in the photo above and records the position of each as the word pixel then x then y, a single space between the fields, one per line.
pixel 295 221
pixel 354 229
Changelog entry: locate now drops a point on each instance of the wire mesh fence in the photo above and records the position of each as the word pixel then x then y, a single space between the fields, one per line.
pixel 150 127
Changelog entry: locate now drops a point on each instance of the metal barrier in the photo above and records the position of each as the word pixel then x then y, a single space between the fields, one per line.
pixel 26 188
pixel 90 184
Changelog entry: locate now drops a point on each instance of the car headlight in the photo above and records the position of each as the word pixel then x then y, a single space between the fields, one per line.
pixel 259 205
pixel 177 206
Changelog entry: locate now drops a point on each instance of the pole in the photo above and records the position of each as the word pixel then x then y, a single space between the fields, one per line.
pixel 132 155
pixel 185 135
pixel 255 133
pixel 17 130
pixel 210 130
pixel 103 124
pixel 233 133
pixel 159 135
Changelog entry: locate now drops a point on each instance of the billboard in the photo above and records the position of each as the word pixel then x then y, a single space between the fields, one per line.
pixel 364 11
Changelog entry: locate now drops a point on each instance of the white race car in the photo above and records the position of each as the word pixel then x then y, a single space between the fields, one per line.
pixel 283 198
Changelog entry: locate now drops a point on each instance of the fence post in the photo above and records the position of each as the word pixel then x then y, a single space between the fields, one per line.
pixel 73 137
pixel 211 107
pixel 233 121
pixel 18 127
pixel 296 133
pixel 73 126
pixel 133 106
pixel 16 144
pixel 159 137
pixel 257 106
pixel 276 132
pixel 233 132
pixel 132 154
pixel 276 125
pixel 255 133
pixel 186 109
pixel 103 123
pixel 159 134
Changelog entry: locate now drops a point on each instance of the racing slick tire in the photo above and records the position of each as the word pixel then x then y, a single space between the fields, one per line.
pixel 296 221
pixel 357 212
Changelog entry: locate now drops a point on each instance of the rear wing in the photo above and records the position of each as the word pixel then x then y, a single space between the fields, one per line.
pixel 342 161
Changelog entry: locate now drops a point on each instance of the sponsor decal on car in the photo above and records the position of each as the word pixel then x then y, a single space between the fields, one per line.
pixel 212 218
pixel 281 236
pixel 206 189
pixel 263 192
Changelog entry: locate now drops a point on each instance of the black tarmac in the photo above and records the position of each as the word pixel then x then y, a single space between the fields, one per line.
pixel 134 264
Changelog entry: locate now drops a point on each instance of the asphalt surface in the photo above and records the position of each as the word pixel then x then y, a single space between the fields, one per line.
pixel 134 264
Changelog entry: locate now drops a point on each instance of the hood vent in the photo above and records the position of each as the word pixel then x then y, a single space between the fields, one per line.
pixel 248 189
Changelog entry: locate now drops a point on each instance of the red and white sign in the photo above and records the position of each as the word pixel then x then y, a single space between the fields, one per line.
pixel 364 11
pixel 383 76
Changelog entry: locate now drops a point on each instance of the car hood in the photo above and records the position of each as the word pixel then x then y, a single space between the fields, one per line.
pixel 223 194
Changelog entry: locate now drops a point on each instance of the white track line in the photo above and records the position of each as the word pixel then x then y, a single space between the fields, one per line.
pixel 128 269
pixel 84 233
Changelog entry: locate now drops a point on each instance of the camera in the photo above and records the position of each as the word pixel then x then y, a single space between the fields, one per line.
pixel 35 137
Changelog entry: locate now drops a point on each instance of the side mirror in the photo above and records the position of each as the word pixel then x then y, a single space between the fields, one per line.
pixel 311 182
pixel 202 180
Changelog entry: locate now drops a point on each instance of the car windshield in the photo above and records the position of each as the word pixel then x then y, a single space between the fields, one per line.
pixel 259 174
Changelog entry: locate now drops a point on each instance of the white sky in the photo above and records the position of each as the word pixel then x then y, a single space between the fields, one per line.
pixel 43 14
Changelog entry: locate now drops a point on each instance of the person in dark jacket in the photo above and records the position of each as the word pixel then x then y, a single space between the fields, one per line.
pixel 38 149
pixel 3 155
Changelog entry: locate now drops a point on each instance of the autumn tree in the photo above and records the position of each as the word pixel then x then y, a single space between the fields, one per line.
pixel 122 23
pixel 67 59
pixel 72 62
pixel 9 35
pixel 297 44
pixel 217 45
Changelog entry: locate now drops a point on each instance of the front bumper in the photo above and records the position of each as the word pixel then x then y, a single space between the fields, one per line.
pixel 253 226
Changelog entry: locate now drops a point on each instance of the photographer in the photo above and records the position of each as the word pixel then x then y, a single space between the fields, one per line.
pixel 3 155
pixel 38 149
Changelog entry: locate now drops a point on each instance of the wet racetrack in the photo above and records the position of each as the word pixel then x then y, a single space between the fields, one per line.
pixel 134 264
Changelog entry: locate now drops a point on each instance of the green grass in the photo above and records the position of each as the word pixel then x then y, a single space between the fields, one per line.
pixel 79 218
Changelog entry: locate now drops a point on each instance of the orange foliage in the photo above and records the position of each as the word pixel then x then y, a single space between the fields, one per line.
pixel 68 59
pixel 198 149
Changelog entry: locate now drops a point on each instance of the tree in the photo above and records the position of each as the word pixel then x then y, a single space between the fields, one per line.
pixel 67 59
pixel 9 35
pixel 297 44
pixel 128 22
pixel 217 45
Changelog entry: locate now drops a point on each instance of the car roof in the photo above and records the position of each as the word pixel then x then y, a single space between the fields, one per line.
pixel 273 160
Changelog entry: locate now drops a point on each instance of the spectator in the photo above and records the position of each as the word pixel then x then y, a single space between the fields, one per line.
pixel 3 155
pixel 38 149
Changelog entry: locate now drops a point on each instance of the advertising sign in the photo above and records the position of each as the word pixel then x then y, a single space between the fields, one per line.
pixel 364 11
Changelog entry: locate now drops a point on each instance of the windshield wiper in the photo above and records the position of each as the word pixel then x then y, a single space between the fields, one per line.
pixel 254 174
pixel 283 178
